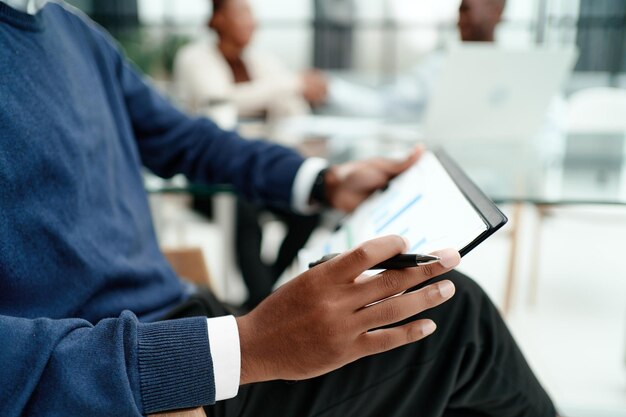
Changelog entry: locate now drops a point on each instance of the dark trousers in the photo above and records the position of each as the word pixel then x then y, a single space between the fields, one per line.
pixel 469 367
pixel 259 276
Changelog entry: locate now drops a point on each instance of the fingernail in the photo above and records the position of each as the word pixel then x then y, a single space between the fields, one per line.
pixel 446 289
pixel 406 243
pixel 429 328
pixel 449 258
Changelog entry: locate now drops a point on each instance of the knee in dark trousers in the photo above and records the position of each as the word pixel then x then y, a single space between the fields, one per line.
pixel 470 367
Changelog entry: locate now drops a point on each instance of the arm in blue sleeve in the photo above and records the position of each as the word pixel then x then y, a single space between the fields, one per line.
pixel 171 142
pixel 117 367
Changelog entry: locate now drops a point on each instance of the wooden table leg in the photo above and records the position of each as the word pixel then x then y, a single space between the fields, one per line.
pixel 510 281
pixel 533 281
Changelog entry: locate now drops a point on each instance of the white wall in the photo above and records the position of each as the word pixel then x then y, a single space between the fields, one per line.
pixel 187 12
pixel 291 39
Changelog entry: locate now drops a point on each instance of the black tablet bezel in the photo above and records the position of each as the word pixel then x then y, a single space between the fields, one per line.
pixel 492 216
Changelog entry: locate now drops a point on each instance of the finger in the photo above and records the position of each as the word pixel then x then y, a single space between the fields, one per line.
pixel 414 156
pixel 382 340
pixel 350 201
pixel 395 281
pixel 375 179
pixel 396 309
pixel 417 152
pixel 392 167
pixel 449 258
pixel 349 265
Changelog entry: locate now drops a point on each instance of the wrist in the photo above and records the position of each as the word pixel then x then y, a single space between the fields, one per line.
pixel 251 361
pixel 331 185
pixel 325 187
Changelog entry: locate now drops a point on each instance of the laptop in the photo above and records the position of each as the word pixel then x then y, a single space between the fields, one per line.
pixel 487 92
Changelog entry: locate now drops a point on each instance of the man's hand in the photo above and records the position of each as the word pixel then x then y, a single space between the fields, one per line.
pixel 347 185
pixel 323 319
pixel 314 87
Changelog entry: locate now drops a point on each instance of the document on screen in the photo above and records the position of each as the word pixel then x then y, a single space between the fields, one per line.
pixel 426 205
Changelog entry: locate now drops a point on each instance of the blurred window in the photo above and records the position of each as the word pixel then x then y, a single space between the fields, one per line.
pixel 601 35
pixel 383 37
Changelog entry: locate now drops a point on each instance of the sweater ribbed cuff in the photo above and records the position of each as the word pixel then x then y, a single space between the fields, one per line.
pixel 175 366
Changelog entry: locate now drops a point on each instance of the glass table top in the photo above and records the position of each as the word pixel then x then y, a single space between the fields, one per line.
pixel 570 175
pixel 558 169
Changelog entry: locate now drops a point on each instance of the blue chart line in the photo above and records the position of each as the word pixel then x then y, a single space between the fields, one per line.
pixel 399 213
pixel 327 248
pixel 383 204
pixel 417 245
pixel 381 216
pixel 404 232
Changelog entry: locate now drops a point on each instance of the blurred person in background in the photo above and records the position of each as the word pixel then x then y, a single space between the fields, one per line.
pixel 209 73
pixel 408 95
pixel 258 84
pixel 478 19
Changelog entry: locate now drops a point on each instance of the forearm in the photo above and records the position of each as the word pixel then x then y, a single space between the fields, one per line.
pixel 117 367
pixel 170 142
pixel 205 154
pixel 261 95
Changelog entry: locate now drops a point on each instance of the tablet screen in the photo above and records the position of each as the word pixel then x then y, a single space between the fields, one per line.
pixel 423 204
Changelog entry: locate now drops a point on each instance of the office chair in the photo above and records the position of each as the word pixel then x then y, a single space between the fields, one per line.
pixel 189 264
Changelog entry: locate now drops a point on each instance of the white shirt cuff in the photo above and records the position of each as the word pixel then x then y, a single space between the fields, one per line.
pixel 303 184
pixel 226 355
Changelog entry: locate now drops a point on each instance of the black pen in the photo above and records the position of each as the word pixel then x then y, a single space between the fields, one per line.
pixel 405 260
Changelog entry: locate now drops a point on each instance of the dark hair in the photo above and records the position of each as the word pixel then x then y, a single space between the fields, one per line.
pixel 218 4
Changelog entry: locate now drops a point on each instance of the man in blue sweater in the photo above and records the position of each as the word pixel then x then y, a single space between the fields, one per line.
pixel 84 289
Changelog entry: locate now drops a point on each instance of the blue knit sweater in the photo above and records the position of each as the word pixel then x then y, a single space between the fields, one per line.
pixel 79 261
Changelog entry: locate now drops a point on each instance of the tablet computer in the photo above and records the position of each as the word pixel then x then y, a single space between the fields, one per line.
pixel 433 204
